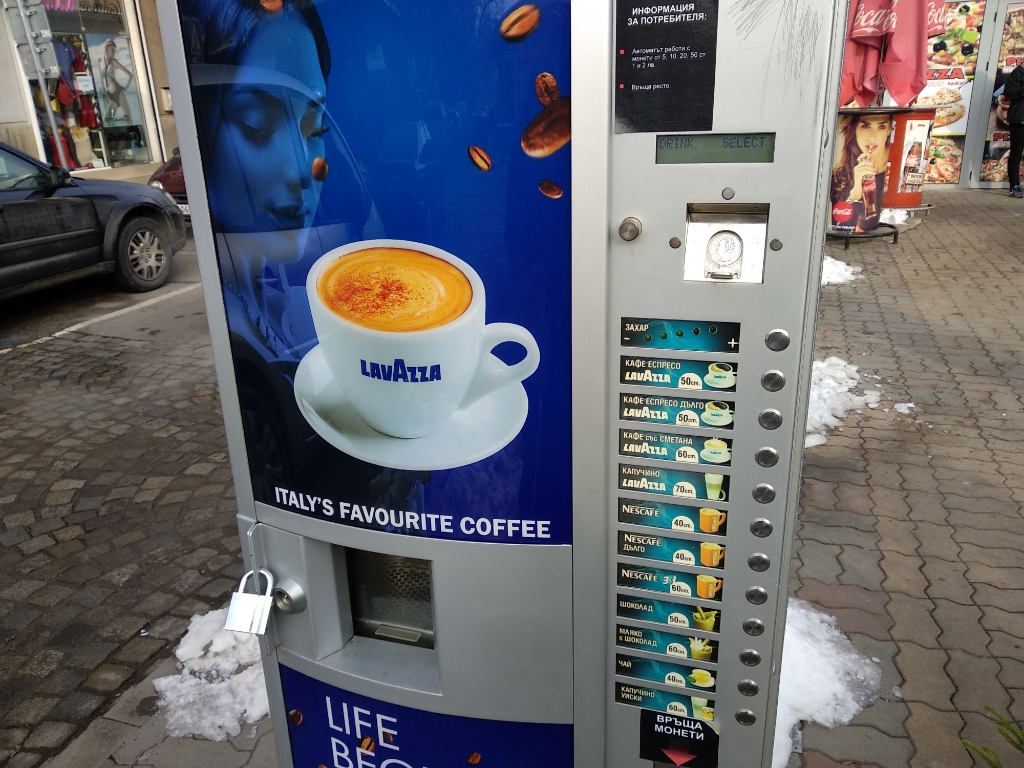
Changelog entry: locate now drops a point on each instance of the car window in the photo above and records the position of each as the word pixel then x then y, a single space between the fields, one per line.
pixel 16 173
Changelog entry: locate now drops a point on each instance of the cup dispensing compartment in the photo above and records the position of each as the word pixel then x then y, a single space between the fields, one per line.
pixel 725 243
pixel 391 597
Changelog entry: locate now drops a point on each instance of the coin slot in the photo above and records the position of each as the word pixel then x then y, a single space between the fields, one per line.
pixel 725 242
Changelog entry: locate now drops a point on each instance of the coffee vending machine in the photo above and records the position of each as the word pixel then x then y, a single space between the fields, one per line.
pixel 513 308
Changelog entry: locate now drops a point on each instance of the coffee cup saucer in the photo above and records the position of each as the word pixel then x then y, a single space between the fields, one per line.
pixel 472 434
pixel 709 457
pixel 710 381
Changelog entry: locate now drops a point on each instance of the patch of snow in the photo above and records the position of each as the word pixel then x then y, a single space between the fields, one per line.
pixel 824 679
pixel 833 381
pixel 221 684
pixel 894 216
pixel 834 272
pixel 904 408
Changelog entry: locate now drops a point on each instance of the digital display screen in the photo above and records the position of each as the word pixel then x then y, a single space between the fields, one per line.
pixel 716 148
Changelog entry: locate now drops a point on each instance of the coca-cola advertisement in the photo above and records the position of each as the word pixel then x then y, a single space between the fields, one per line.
pixel 859 166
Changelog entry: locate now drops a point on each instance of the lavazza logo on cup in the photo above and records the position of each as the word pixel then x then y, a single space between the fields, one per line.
pixel 401 327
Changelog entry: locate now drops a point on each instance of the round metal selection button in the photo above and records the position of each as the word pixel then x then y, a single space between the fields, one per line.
pixel 750 657
pixel 746 717
pixel 773 380
pixel 777 340
pixel 753 627
pixel 762 528
pixel 767 457
pixel 748 687
pixel 728 193
pixel 770 418
pixel 757 595
pixel 759 562
pixel 630 229
pixel 763 493
pixel 775 245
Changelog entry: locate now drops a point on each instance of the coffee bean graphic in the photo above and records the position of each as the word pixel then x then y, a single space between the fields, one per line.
pixel 548 188
pixel 319 168
pixel 546 87
pixel 474 759
pixel 549 131
pixel 520 23
pixel 295 716
pixel 480 158
pixel 272 6
pixel 367 744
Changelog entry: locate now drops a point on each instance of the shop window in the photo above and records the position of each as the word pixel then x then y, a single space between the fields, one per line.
pixel 97 98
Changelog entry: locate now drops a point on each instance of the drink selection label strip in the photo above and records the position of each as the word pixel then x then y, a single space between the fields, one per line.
pixel 655 514
pixel 664 701
pixel 664 672
pixel 710 554
pixel 687 449
pixel 654 641
pixel 702 585
pixel 682 335
pixel 677 615
pixel 674 482
pixel 680 411
pixel 677 374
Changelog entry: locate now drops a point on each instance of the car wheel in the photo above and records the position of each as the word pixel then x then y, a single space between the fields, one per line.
pixel 143 255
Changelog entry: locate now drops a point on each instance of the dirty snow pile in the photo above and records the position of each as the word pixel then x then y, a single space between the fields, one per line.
pixel 834 272
pixel 903 409
pixel 221 684
pixel 894 216
pixel 833 381
pixel 824 679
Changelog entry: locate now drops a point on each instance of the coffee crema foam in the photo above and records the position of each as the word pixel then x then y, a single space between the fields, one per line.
pixel 395 289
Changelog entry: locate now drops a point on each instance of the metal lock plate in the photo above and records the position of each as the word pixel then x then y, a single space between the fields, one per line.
pixel 250 612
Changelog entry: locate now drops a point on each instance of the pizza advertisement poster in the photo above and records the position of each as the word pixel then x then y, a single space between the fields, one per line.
pixel 944 159
pixel 995 160
pixel 957 47
pixel 951 99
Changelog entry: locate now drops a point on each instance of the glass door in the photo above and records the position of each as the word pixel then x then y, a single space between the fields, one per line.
pixel 990 145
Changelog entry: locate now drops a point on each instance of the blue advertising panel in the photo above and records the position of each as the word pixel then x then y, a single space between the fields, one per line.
pixel 389 188
pixel 333 727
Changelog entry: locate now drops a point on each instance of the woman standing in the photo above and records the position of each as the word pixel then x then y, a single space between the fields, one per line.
pixel 117 98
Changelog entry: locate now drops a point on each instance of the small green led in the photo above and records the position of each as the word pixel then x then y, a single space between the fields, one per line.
pixel 664 335
pixel 679 333
pixel 696 331
pixel 647 337
pixel 713 329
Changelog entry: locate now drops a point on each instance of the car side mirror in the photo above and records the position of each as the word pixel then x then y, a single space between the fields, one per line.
pixel 58 176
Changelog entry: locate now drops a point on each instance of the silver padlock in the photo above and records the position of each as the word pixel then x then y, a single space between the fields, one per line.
pixel 249 612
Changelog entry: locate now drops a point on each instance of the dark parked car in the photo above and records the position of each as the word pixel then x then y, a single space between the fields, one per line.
pixel 55 228
pixel 170 179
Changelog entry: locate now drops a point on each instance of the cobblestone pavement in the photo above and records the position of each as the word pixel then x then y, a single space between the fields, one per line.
pixel 117 506
pixel 911 527
pixel 116 522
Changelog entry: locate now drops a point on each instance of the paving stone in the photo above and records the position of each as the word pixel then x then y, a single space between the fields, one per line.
pixel 912 620
pixel 77 705
pixel 96 744
pixel 820 562
pixel 936 737
pixel 859 744
pixel 265 754
pixel 25 760
pixel 981 730
pixel 107 678
pixel 975 678
pixel 961 627
pixel 49 735
pixel 925 680
pixel 30 712
pixel 860 567
pixel 903 574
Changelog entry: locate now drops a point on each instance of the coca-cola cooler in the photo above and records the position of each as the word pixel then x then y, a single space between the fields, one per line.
pixel 512 308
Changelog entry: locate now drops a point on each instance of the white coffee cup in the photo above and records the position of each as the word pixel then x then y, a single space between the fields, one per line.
pixel 717 413
pixel 721 375
pixel 454 357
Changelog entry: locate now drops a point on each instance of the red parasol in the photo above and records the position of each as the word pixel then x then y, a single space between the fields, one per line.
pixel 904 67
pixel 864 33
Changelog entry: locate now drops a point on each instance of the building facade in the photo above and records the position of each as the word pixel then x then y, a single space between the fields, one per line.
pixel 110 102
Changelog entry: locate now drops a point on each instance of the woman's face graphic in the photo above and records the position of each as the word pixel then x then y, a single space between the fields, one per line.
pixel 872 136
pixel 267 136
